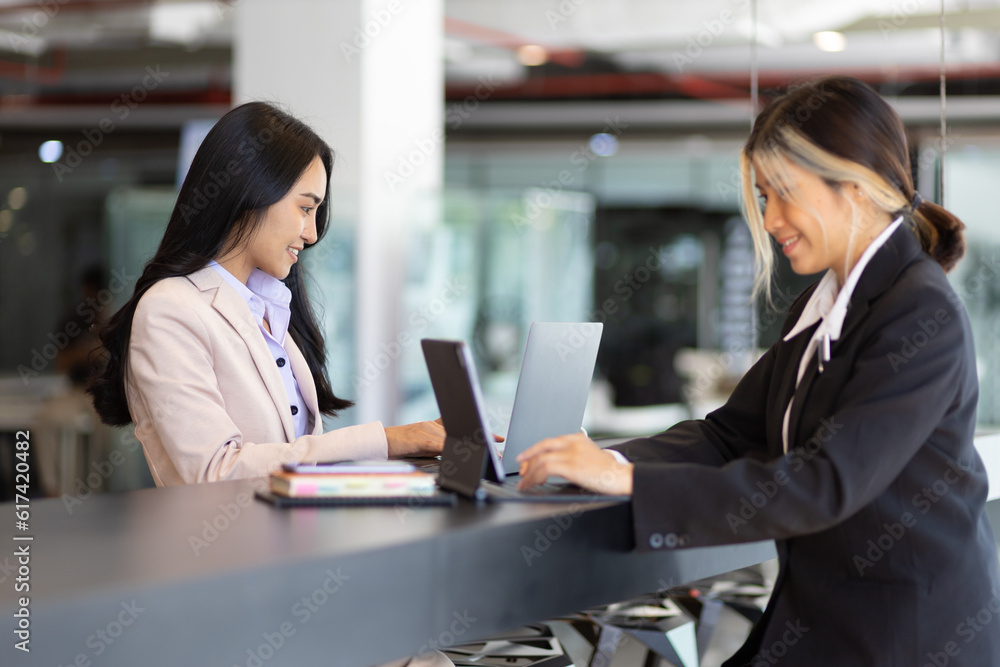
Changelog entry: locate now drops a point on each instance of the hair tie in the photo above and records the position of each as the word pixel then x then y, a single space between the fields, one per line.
pixel 916 201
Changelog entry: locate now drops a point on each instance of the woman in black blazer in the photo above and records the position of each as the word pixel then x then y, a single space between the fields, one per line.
pixel 850 441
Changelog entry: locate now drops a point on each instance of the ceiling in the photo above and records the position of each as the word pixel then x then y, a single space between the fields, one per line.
pixel 81 53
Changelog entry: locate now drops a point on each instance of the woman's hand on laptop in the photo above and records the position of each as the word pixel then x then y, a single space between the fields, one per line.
pixel 417 439
pixel 579 460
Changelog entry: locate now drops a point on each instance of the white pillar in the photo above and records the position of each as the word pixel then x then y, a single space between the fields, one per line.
pixel 368 76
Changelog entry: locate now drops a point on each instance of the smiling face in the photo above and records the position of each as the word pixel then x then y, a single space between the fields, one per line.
pixel 812 221
pixel 287 227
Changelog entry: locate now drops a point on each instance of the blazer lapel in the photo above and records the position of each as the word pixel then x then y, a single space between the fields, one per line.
pixel 234 309
pixel 883 269
pixel 802 395
pixel 789 370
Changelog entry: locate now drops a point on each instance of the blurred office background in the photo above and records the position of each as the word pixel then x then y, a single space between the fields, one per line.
pixel 500 162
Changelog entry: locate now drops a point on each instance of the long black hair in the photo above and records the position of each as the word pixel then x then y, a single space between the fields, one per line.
pixel 248 161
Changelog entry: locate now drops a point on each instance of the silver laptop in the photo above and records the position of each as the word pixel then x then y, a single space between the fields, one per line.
pixel 470 464
pixel 553 385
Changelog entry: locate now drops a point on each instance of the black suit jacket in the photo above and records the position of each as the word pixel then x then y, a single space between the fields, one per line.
pixel 886 554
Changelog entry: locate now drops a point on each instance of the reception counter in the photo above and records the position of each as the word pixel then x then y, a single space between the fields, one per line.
pixel 207 575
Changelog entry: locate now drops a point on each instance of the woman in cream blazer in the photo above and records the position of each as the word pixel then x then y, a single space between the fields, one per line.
pixel 205 393
pixel 217 358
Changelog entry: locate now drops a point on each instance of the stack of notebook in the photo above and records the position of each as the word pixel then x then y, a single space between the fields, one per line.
pixel 353 483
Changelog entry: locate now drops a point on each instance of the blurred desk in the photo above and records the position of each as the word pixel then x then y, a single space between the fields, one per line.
pixel 204 575
pixel 20 400
pixel 63 429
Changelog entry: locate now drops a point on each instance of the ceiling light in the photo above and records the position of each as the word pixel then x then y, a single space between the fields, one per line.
pixel 181 22
pixel 532 55
pixel 604 144
pixel 22 43
pixel 50 151
pixel 830 41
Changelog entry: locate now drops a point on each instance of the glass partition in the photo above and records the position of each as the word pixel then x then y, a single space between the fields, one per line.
pixel 495 262
pixel 135 219
pixel 972 170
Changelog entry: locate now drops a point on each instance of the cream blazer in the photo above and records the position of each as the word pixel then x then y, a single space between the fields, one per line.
pixel 206 396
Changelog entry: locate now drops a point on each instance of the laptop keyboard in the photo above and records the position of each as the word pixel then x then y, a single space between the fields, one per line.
pixel 432 465
pixel 546 489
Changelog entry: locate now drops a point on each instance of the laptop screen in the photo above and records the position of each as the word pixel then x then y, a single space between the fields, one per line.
pixel 553 386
